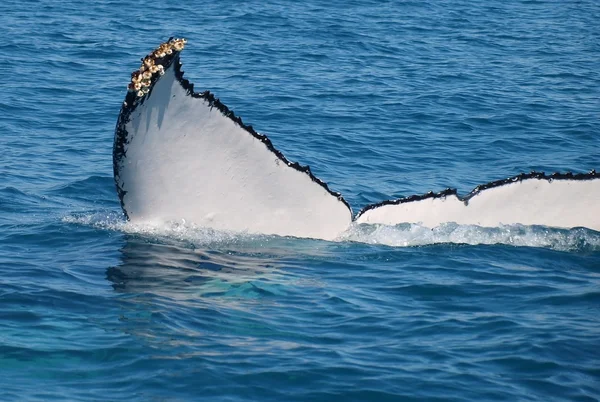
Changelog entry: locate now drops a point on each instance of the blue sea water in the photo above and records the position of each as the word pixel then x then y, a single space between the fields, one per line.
pixel 382 99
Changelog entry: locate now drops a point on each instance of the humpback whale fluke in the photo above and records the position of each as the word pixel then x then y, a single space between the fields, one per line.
pixel 561 200
pixel 180 155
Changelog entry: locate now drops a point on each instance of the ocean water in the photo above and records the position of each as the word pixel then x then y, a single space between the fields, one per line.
pixel 382 99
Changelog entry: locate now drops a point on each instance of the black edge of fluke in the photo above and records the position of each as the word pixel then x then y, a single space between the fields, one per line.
pixel 482 187
pixel 133 100
pixel 137 91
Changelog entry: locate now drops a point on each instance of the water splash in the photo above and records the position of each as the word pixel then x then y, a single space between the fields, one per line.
pixel 409 235
pixel 403 235
pixel 178 231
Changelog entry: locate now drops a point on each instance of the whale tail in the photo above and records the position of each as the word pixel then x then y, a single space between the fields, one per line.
pixel 180 155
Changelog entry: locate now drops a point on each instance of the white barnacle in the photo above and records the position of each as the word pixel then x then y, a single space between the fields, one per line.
pixel 178 44
pixel 147 75
pixel 140 93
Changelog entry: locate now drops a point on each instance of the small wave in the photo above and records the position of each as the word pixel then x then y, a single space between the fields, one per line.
pixel 410 235
pixel 178 231
pixel 403 235
pixel 91 189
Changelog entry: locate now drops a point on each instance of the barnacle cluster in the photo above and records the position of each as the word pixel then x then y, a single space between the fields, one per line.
pixel 153 64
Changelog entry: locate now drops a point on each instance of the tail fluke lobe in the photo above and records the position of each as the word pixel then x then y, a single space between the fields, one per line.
pixel 559 200
pixel 181 155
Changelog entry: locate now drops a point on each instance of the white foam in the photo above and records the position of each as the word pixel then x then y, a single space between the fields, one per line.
pixel 411 235
pixel 179 231
pixel 404 235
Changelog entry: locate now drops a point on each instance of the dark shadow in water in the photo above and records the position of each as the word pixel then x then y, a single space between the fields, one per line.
pixel 171 294
pixel 174 269
pixel 203 261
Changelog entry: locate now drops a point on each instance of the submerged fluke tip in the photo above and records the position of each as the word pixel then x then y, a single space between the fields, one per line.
pixel 152 65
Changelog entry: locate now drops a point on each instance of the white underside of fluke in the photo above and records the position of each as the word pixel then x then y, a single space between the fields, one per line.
pixel 559 203
pixel 184 157
pixel 186 161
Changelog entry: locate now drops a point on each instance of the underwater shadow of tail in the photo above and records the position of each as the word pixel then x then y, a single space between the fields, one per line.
pixel 172 270
pixel 180 155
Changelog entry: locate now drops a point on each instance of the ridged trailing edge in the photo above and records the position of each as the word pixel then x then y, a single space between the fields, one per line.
pixel 562 200
pixel 184 155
